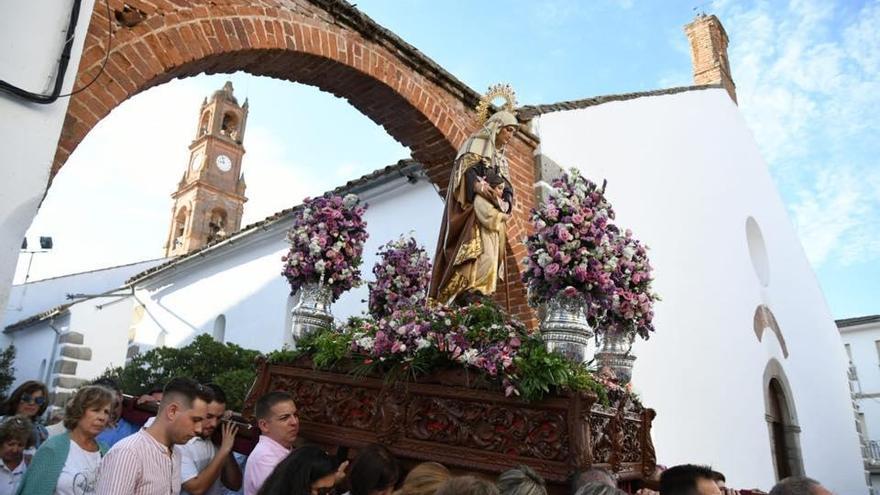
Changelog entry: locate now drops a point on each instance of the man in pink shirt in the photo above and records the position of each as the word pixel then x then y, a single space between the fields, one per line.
pixel 279 424
pixel 147 463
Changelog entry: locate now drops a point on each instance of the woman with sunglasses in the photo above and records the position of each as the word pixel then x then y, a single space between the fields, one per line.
pixel 29 400
pixel 306 471
pixel 68 464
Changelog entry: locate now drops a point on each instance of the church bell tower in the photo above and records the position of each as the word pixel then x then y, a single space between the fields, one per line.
pixel 209 200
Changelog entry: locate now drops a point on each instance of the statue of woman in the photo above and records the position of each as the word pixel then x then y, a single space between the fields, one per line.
pixel 479 199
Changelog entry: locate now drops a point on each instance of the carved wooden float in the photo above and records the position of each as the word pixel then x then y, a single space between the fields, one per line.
pixel 440 418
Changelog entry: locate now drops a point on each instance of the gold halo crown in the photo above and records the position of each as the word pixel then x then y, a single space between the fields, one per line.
pixel 495 91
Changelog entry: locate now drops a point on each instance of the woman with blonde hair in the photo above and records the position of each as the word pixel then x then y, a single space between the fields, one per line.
pixel 68 463
pixel 424 479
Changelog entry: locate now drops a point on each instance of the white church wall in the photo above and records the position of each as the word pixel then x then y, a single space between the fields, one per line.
pixel 33 34
pixel 33 350
pixel 104 323
pixel 684 173
pixel 242 280
pixel 26 300
pixel 864 347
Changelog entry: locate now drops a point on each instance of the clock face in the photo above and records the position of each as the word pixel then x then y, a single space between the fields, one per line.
pixel 196 162
pixel 224 163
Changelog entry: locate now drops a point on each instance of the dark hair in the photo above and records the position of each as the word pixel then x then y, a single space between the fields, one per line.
pixel 155 389
pixel 266 402
pixel 219 394
pixel 16 428
pixel 108 382
pixel 28 387
pixel 296 473
pixel 374 470
pixel 795 485
pixel 187 390
pixel 85 399
pixel 682 480
pixel 467 485
pixel 521 480
pixel 718 476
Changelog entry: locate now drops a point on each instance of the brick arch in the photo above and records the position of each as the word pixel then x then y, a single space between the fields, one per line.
pixel 323 43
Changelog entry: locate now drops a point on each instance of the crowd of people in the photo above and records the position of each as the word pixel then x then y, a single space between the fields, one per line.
pixel 93 450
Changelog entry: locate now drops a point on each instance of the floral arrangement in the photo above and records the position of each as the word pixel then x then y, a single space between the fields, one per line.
pixel 326 243
pixel 578 252
pixel 569 249
pixel 632 302
pixel 403 275
pixel 414 342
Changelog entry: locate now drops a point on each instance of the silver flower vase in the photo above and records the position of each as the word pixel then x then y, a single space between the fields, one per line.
pixel 615 354
pixel 312 311
pixel 565 328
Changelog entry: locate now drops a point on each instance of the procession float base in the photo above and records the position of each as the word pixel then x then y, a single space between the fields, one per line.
pixel 444 418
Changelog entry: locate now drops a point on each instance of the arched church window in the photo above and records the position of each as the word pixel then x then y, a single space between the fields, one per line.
pixel 782 424
pixel 219 333
pixel 229 126
pixel 203 124
pixel 179 227
pixel 216 225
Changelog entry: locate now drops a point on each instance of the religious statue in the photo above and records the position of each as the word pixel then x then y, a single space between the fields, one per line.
pixel 471 248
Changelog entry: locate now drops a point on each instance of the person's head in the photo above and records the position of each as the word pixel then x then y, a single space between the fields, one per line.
pixel 596 474
pixel 15 433
pixel 719 479
pixel 467 485
pixel 277 417
pixel 30 400
pixel 375 472
pixel 89 410
pixel 424 479
pixel 306 471
pixel 116 408
pixel 521 481
pixel 504 125
pixel 183 409
pixel 688 479
pixel 156 392
pixel 799 485
pixel 598 488
pixel 216 410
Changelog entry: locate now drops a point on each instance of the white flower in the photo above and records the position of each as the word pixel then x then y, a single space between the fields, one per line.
pixel 469 356
pixel 349 200
pixel 422 343
pixel 319 266
pixel 365 342
pixel 544 259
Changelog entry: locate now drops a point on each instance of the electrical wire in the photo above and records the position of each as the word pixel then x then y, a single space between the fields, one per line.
pixel 63 62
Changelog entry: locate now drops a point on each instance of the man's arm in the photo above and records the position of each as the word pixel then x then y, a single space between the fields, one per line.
pixel 231 476
pixel 201 482
pixel 120 472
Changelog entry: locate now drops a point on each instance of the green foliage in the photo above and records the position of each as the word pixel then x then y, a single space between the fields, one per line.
pixel 540 372
pixel 204 360
pixel 7 371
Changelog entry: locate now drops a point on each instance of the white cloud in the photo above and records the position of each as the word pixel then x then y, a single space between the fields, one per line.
pixel 808 85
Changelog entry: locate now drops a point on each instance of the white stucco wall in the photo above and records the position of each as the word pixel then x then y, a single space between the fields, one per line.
pixel 31 36
pixel 242 280
pixel 33 346
pixel 684 173
pixel 862 341
pixel 26 300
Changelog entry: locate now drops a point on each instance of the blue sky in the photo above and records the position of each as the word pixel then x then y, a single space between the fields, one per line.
pixel 807 73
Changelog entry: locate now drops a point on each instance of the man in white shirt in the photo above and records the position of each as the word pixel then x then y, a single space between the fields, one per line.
pixel 146 463
pixel 15 432
pixel 204 466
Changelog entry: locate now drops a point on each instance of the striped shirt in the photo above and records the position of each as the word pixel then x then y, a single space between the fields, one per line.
pixel 140 465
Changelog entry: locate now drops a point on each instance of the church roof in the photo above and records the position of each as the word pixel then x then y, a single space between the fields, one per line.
pixel 49 313
pixel 403 168
pixel 859 320
pixel 529 112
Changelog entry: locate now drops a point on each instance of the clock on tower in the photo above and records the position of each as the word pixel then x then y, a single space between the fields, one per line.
pixel 209 200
